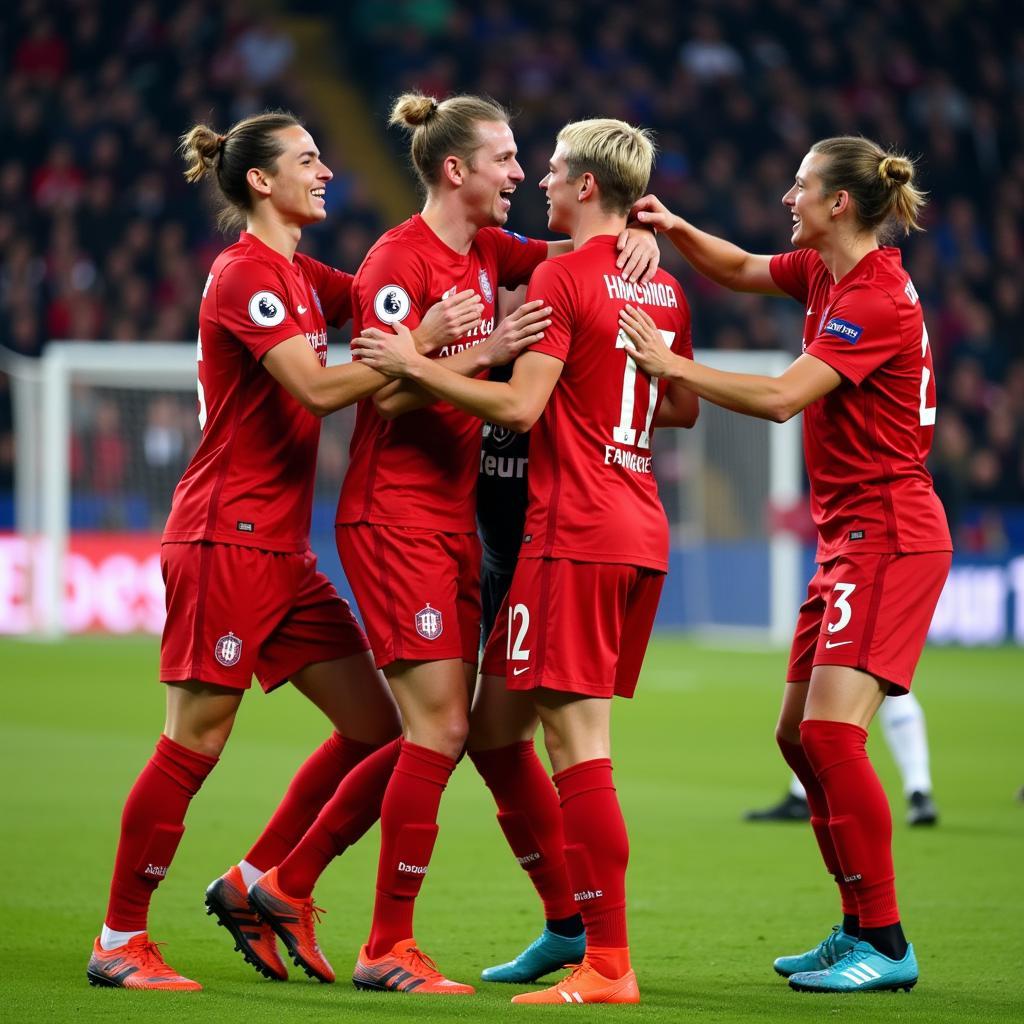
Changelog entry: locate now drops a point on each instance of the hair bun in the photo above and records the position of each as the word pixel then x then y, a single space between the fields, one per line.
pixel 896 169
pixel 413 109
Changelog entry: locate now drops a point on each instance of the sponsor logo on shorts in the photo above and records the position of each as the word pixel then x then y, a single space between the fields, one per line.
pixel 829 644
pixel 844 329
pixel 856 535
pixel 228 650
pixel 391 304
pixel 485 286
pixel 520 671
pixel 429 623
pixel 412 869
pixel 530 858
pixel 266 309
pixel 243 527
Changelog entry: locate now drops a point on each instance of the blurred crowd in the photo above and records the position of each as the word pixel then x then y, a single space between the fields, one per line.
pixel 101 238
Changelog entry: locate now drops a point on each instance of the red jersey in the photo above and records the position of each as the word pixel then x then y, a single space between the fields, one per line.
pixel 866 442
pixel 420 469
pixel 250 481
pixel 593 496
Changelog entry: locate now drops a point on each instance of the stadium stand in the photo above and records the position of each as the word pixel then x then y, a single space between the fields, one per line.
pixel 101 239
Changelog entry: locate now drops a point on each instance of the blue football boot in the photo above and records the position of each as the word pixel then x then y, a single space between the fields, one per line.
pixel 824 954
pixel 863 969
pixel 549 952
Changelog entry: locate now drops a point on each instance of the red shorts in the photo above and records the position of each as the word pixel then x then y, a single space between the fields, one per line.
pixel 870 612
pixel 576 627
pixel 417 590
pixel 234 611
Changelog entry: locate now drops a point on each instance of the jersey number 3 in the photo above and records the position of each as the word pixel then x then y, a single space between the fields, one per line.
pixel 626 432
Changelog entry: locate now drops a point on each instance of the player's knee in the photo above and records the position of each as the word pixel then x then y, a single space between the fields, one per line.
pixel 445 734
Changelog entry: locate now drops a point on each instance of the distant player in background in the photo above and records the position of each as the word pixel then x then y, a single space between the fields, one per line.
pixel 407 539
pixel 243 592
pixel 581 606
pixel 903 726
pixel 865 385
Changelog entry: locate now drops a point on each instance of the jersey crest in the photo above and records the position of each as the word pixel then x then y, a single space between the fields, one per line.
pixel 429 623
pixel 228 650
pixel 485 286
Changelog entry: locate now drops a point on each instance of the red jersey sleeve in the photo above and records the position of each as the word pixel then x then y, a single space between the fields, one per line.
pixel 333 289
pixel 250 305
pixel 861 332
pixel 389 288
pixel 682 344
pixel 517 257
pixel 554 285
pixel 791 272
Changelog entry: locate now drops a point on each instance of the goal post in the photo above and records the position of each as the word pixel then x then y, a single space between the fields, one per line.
pixel 732 572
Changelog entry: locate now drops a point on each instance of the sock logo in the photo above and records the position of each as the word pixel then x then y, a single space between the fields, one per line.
pixel 852 878
pixel 530 858
pixel 412 869
pixel 587 894
pixel 156 870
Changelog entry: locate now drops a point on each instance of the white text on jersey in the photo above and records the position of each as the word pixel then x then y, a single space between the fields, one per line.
pixel 653 294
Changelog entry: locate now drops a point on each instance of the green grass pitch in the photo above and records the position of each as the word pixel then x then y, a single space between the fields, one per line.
pixel 713 900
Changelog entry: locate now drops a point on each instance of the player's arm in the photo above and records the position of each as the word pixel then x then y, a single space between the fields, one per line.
pixel 679 407
pixel 770 398
pixel 516 404
pixel 320 389
pixel 509 338
pixel 639 256
pixel 726 264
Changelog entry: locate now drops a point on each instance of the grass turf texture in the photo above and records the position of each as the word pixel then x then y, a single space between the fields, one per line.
pixel 713 900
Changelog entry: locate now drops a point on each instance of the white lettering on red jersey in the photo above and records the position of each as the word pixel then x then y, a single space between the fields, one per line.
pixel 250 481
pixel 420 469
pixel 593 496
pixel 865 443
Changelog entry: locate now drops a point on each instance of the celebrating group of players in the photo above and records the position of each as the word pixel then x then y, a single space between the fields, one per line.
pixel 575 550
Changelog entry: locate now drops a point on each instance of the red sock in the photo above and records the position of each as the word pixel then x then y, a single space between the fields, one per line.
pixel 796 758
pixel 151 828
pixel 531 819
pixel 859 817
pixel 344 820
pixel 408 828
pixel 313 785
pixel 597 852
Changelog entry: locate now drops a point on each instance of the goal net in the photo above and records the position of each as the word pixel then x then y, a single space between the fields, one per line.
pixel 104 431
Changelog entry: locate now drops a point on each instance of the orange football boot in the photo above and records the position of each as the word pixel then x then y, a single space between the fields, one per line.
pixel 585 985
pixel 405 969
pixel 227 900
pixel 136 964
pixel 292 919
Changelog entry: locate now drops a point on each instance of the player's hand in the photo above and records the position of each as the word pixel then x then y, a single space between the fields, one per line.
pixel 448 320
pixel 390 354
pixel 648 349
pixel 652 212
pixel 517 331
pixel 639 256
